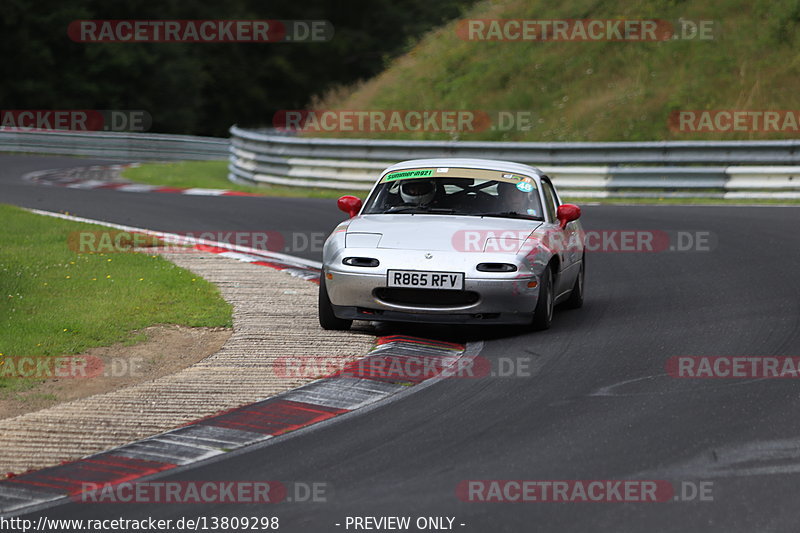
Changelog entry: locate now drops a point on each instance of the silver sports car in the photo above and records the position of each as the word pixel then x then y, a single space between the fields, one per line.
pixel 456 241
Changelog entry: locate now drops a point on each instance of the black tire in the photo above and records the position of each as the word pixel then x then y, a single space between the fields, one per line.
pixel 327 319
pixel 575 299
pixel 543 314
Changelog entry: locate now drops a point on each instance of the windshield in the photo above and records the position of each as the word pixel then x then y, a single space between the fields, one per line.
pixel 456 192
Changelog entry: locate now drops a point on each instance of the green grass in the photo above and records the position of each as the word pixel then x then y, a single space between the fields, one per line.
pixel 56 301
pixel 597 91
pixel 214 175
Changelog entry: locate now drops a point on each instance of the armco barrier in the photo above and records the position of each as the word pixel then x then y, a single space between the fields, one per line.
pixel 688 169
pixel 116 146
pixel 599 170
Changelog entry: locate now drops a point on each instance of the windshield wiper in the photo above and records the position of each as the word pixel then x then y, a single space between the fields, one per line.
pixel 509 214
pixel 420 209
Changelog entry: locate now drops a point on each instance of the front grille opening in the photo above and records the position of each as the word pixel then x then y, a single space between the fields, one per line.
pixel 426 297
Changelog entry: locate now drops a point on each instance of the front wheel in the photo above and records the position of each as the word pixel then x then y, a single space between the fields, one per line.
pixel 327 319
pixel 543 314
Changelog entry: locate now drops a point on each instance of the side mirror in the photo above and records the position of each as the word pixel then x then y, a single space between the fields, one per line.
pixel 350 205
pixel 567 213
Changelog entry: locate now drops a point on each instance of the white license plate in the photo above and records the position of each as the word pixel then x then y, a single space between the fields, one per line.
pixel 421 279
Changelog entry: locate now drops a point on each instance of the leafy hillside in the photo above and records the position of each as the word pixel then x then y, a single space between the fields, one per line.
pixel 199 88
pixel 598 91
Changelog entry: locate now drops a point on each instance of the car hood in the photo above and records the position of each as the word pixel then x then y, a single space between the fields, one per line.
pixel 438 232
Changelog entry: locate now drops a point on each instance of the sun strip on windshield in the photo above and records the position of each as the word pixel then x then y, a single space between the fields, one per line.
pixel 407 174
pixel 483 174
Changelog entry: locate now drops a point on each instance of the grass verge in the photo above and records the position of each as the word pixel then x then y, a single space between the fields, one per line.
pixel 55 301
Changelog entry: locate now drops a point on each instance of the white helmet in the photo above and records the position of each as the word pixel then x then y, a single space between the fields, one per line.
pixel 419 192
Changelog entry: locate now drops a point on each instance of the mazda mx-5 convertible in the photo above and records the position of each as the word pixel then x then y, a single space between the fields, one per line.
pixel 454 241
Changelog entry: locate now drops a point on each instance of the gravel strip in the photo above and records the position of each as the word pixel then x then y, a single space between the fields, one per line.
pixel 275 316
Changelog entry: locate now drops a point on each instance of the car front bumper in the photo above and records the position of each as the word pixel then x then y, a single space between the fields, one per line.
pixel 505 300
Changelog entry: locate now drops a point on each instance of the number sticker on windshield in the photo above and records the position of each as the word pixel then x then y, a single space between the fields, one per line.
pixel 525 186
pixel 404 174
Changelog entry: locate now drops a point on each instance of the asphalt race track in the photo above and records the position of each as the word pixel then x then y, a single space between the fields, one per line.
pixel 168 212
pixel 594 404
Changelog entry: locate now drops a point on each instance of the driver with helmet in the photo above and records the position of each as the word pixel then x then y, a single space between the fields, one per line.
pixel 418 192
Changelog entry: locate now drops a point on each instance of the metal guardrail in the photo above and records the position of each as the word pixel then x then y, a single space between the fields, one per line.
pixel 731 169
pixel 115 146
pixel 768 169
